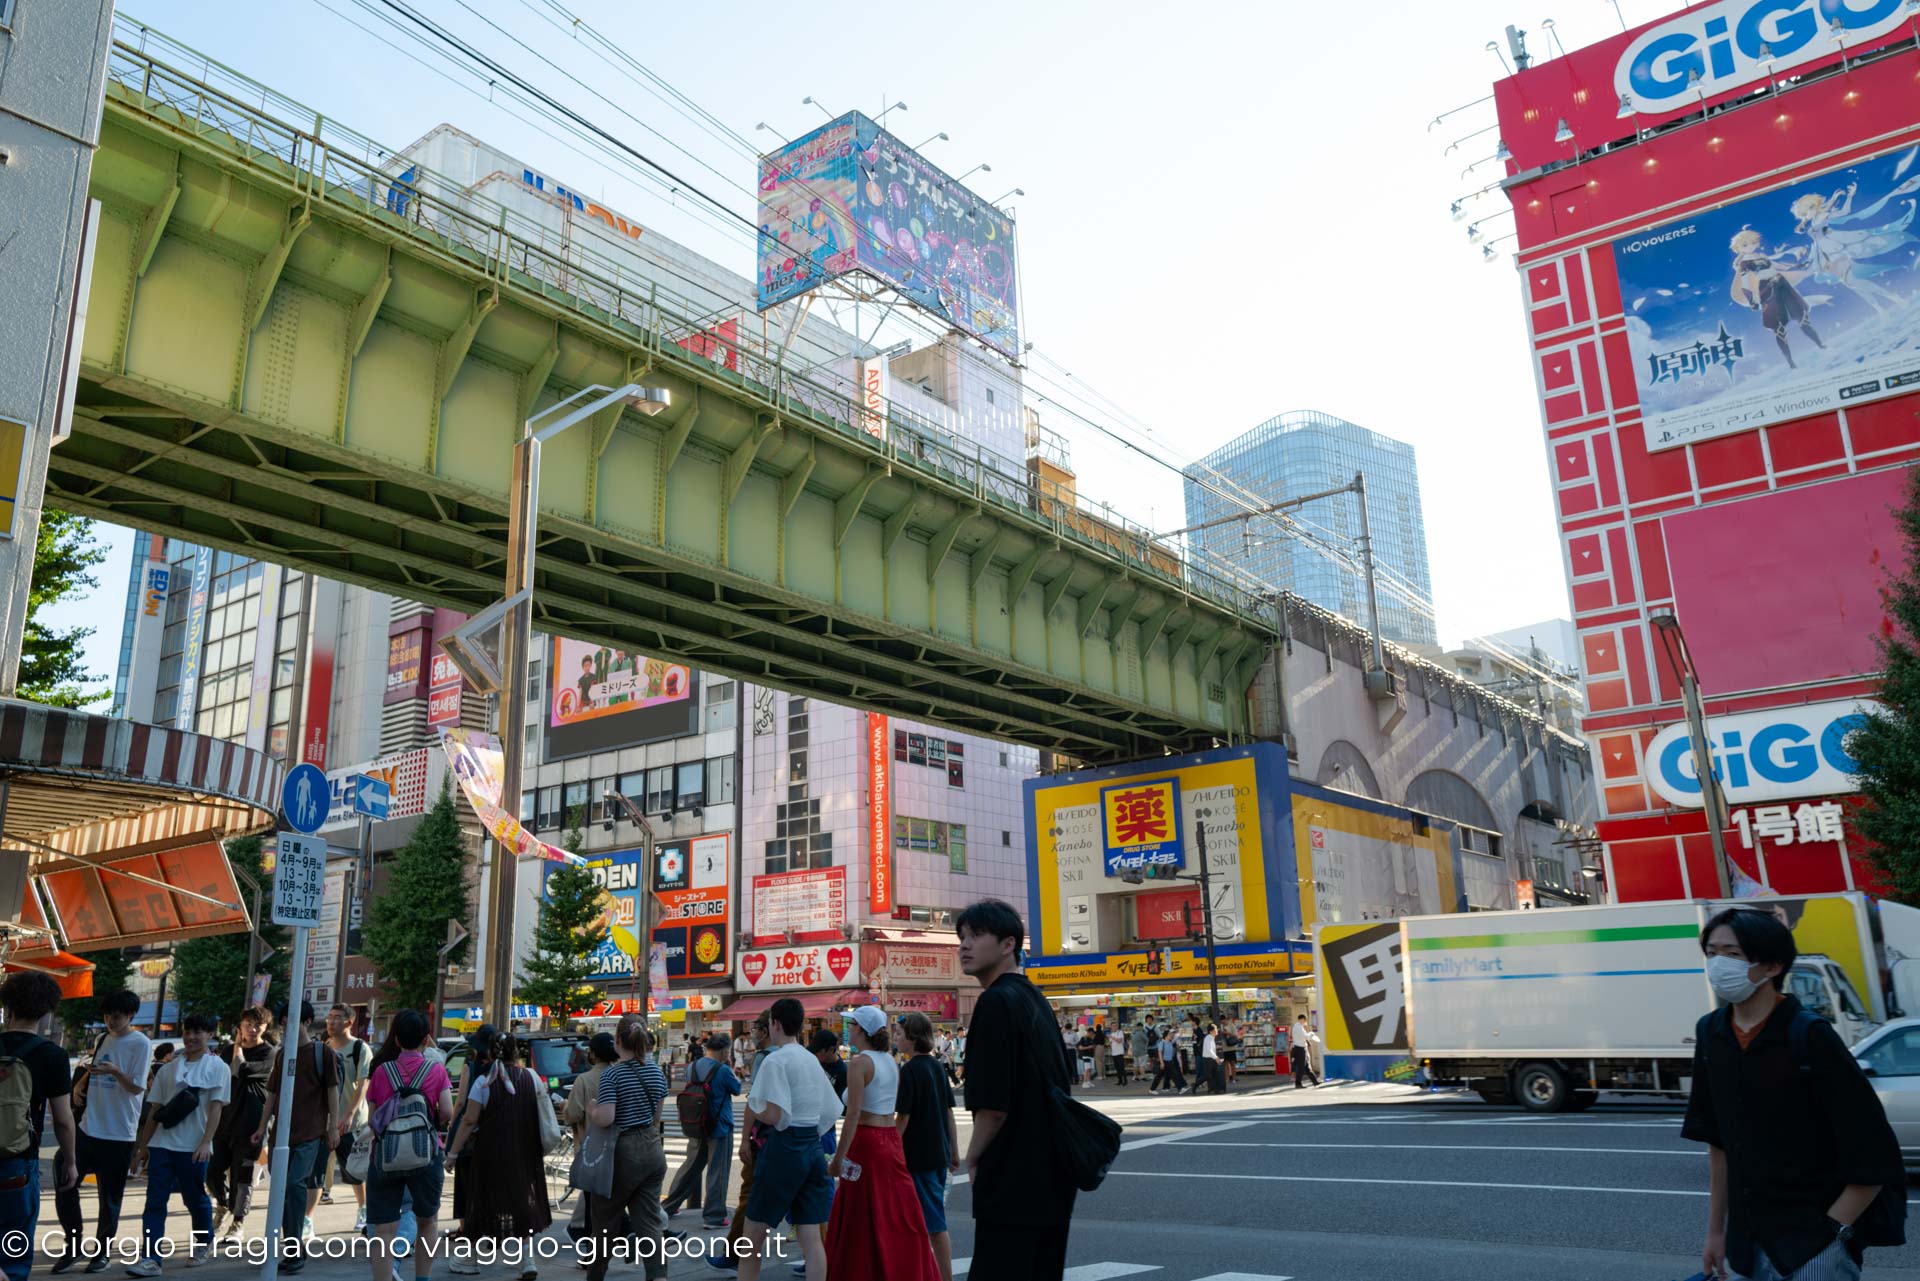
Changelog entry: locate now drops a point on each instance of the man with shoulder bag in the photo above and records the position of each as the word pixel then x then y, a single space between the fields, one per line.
pixel 1804 1171
pixel 176 1139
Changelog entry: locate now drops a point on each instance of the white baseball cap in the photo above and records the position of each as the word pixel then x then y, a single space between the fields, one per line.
pixel 871 1018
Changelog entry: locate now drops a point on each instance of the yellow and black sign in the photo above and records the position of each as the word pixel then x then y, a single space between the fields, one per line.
pixel 13 442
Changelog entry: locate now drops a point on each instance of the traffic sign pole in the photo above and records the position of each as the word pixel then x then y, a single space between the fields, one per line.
pixel 283 1114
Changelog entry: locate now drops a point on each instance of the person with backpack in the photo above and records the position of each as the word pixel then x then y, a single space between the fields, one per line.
pixel 705 1106
pixel 353 1058
pixel 411 1100
pixel 116 1086
pixel 230 1172
pixel 1804 1171
pixel 1138 1049
pixel 1022 1209
pixel 34 1081
pixel 176 1139
pixel 314 1117
pixel 630 1100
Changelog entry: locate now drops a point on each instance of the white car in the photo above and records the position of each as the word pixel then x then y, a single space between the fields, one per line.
pixel 1890 1056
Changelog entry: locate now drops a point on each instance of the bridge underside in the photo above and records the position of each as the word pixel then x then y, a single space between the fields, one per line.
pixel 277 365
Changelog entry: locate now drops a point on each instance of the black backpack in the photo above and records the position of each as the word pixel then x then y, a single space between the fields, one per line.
pixel 1884 1221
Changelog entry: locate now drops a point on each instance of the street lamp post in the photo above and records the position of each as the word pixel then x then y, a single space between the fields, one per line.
pixel 515 637
pixel 1713 799
pixel 649 867
pixel 1206 913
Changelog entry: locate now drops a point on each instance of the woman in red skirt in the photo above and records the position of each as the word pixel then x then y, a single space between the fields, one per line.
pixel 877 1232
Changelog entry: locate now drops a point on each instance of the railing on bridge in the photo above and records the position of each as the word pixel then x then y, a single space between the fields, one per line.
pixel 338 165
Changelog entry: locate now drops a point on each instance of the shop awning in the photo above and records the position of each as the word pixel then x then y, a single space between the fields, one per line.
pixel 121 824
pixel 816 1004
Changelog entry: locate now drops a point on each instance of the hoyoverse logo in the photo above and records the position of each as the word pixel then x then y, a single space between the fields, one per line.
pixel 1719 47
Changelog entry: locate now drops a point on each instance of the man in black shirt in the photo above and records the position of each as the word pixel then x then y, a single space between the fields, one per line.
pixel 1799 1145
pixel 923 1114
pixel 29 999
pixel 1022 1208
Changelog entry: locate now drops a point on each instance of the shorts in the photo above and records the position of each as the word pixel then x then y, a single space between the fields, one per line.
pixel 790 1179
pixel 384 1194
pixel 932 1187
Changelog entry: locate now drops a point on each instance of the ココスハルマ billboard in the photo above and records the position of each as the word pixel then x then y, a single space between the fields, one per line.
pixel 1779 306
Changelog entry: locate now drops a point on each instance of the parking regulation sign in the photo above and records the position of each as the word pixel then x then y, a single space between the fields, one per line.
pixel 299 880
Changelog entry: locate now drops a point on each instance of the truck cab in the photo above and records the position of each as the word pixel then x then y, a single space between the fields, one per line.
pixel 1825 990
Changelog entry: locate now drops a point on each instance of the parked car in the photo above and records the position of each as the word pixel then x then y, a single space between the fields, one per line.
pixel 1890 1056
pixel 555 1057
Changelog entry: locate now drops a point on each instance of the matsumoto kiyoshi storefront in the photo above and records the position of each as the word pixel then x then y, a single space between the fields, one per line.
pixel 1113 862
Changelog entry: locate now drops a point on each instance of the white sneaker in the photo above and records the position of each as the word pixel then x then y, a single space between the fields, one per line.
pixel 144 1268
pixel 360 1220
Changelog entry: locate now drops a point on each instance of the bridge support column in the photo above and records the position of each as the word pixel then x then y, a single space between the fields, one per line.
pixel 49 126
pixel 1267 718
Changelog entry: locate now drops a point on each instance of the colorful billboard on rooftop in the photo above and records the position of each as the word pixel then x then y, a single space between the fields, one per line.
pixel 852 197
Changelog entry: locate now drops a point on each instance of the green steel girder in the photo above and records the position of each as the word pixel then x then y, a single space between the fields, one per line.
pixel 365 436
pixel 942 543
pixel 982 561
pixel 1091 602
pixel 847 506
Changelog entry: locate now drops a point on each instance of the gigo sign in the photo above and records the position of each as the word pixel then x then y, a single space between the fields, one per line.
pixel 1761 756
pixel 1715 48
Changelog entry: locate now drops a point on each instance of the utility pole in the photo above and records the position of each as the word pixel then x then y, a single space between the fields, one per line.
pixel 1712 799
pixel 1206 913
pixel 649 865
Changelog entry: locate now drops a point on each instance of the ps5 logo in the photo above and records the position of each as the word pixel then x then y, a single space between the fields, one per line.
pixel 1715 48
pixel 1779 754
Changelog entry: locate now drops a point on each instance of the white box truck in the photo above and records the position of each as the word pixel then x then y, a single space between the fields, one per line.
pixel 1547 1008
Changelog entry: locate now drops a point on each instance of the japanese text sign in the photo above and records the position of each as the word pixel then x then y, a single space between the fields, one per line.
pixel 1142 823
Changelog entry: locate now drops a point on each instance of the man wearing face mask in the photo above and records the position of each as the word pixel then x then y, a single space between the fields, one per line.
pixel 1799 1145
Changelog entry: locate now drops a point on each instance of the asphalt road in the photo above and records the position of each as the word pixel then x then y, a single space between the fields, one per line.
pixel 1437 1190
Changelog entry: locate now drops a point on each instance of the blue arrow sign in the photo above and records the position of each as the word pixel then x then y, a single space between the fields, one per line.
pixel 370 796
pixel 304 798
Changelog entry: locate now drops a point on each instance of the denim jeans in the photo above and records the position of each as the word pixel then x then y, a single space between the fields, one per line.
pixel 19 1211
pixel 169 1172
pixel 302 1162
pixel 1831 1264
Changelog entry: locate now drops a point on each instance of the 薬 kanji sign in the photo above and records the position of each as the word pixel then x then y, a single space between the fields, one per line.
pixel 1141 819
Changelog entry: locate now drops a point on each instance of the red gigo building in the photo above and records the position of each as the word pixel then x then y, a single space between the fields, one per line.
pixel 1718 245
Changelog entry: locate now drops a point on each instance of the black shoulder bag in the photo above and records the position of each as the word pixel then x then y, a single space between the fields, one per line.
pixel 1086 1143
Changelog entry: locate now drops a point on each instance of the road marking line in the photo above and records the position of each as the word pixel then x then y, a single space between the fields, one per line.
pixel 1245 1276
pixel 1172 1136
pixel 1452 1147
pixel 1397 1183
pixel 1109 1271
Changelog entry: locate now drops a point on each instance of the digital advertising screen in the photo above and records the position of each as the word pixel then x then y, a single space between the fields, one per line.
pixel 600 698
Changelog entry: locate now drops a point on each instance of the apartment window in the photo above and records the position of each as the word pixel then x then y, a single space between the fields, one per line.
pixel 722 712
pixel 692 789
pixel 1006 838
pixel 660 790
pixel 989 395
pixel 533 681
pixel 527 800
pixel 634 787
pixel 1476 840
pixel 546 814
pixel 720 780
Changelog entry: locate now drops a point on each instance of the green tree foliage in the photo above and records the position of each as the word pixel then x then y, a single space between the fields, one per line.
pixel 569 933
pixel 1887 748
pixel 53 667
pixel 406 926
pixel 112 970
pixel 210 974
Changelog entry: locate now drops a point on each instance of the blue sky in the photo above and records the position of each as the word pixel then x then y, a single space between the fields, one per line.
pixel 1232 210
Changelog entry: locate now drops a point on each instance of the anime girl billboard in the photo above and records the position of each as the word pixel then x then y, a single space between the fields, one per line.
pixel 1778 306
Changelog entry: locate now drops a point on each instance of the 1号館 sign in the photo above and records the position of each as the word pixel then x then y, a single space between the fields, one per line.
pixel 1779 754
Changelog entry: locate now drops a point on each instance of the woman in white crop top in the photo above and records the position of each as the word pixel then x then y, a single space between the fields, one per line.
pixel 877 1231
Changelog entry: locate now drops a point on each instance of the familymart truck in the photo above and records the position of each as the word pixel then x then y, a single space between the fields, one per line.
pixel 1547 1008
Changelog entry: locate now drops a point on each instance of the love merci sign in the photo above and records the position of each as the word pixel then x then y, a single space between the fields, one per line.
pixel 782 969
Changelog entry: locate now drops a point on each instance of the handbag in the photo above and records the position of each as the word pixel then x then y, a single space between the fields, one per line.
pixel 592 1170
pixel 550 1131
pixel 179 1107
pixel 359 1156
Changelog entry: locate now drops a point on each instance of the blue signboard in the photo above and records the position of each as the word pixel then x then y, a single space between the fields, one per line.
pixel 304 799
pixel 370 796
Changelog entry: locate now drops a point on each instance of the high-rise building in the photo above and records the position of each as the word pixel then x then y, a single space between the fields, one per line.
pixel 1297 453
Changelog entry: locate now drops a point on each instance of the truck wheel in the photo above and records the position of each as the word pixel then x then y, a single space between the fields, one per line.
pixel 1542 1087
pixel 1582 1100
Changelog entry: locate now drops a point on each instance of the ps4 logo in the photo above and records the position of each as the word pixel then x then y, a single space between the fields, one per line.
pixel 1715 48
pixel 1779 754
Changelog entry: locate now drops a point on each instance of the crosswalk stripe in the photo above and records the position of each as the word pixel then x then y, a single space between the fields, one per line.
pixel 1244 1276
pixel 1109 1271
